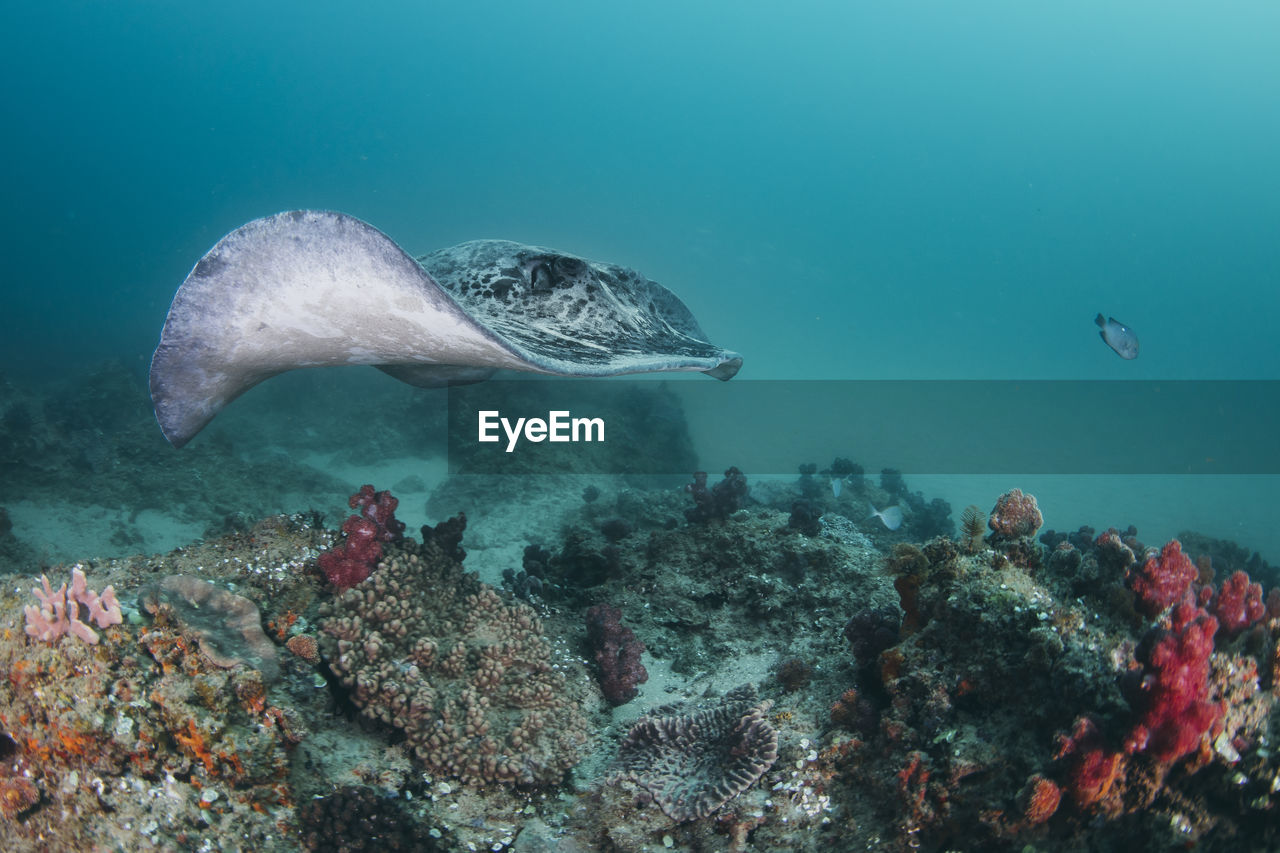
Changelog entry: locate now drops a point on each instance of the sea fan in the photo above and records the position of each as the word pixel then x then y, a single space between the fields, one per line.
pixel 971 526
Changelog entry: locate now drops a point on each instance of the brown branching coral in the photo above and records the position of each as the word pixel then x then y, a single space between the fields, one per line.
pixel 435 653
pixel 692 765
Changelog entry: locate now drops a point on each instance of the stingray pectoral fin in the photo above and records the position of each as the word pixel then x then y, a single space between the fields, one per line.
pixel 727 369
pixel 303 289
pixel 436 375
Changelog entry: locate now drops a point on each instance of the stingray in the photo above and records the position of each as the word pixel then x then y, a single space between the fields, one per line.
pixel 309 288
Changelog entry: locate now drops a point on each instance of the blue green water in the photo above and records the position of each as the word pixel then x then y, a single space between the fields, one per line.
pixel 846 189
pixel 837 189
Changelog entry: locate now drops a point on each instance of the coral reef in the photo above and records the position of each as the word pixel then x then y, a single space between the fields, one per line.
pixel 140 705
pixel 1228 557
pixel 522 584
pixel 59 611
pixel 582 563
pixel 467 679
pixel 891 481
pixel 913 690
pixel 616 652
pixel 846 469
pixel 692 764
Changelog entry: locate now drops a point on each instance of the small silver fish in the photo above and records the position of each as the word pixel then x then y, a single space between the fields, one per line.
pixel 890 517
pixel 837 483
pixel 1118 336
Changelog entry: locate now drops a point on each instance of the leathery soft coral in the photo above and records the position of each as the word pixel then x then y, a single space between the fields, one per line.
pixel 1172 700
pixel 59 610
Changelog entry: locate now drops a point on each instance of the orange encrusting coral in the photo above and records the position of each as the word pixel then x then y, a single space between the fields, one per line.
pixel 194 743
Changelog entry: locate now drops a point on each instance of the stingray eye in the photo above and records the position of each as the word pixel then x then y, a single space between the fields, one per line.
pixel 540 278
pixel 570 266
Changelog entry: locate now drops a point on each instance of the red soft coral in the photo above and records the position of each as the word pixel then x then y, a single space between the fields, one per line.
pixel 354 560
pixel 380 508
pixel 1238 604
pixel 1172 701
pixel 1163 580
pixel 617 653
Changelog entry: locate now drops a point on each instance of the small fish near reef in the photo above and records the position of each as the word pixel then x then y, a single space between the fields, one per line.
pixel 1118 336
pixel 890 517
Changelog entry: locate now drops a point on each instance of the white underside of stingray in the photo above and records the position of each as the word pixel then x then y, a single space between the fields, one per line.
pixel 312 288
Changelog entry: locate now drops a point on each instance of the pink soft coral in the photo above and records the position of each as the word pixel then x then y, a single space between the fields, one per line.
pixel 59 611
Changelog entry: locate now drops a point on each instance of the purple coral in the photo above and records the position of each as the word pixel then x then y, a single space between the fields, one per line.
pixel 617 653
pixel 59 611
pixel 718 501
pixel 448 535
pixel 693 764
